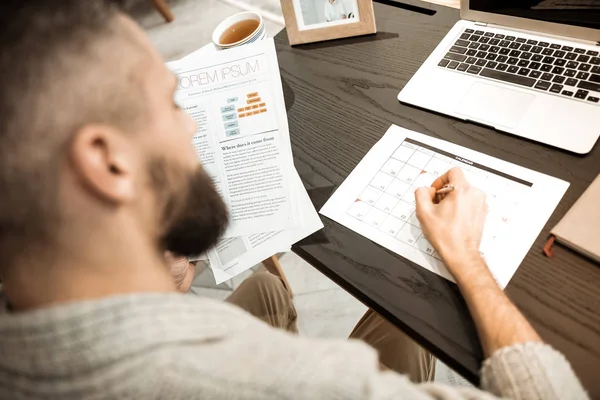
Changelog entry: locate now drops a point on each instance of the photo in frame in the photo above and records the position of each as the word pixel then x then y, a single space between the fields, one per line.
pixel 309 21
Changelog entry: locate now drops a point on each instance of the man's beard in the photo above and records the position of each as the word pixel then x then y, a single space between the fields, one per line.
pixel 193 214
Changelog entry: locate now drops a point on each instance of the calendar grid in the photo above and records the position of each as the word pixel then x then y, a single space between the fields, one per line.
pixel 388 204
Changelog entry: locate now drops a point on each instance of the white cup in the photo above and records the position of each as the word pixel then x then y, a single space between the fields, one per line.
pixel 259 33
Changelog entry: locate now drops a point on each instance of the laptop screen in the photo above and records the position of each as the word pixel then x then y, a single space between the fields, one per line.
pixel 583 13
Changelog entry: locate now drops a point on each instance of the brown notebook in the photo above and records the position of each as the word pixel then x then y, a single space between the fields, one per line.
pixel 580 227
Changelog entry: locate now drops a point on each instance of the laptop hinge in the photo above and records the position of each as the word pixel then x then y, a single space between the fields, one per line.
pixel 481 23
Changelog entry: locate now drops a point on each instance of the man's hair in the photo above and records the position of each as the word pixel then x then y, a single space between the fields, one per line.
pixel 55 76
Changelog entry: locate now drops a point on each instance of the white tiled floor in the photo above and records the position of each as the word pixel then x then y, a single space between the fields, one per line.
pixel 324 309
pixel 330 313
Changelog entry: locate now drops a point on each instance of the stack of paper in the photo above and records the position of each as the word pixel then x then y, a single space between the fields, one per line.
pixel 243 141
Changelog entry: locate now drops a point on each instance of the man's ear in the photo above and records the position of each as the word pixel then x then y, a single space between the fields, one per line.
pixel 105 161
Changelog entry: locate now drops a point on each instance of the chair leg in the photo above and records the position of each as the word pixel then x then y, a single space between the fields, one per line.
pixel 164 9
pixel 272 265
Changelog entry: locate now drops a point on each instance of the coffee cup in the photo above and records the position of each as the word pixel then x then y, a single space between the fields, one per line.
pixel 239 29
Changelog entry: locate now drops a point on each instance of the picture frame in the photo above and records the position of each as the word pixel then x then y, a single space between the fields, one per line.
pixel 309 21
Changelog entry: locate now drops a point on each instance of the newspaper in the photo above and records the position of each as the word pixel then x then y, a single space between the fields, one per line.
pixel 232 256
pixel 236 98
pixel 237 252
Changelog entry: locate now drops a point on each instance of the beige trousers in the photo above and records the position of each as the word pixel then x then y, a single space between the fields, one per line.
pixel 264 296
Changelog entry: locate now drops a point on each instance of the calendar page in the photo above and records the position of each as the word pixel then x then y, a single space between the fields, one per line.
pixel 377 200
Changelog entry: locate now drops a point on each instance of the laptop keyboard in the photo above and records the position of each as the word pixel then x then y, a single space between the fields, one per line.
pixel 564 70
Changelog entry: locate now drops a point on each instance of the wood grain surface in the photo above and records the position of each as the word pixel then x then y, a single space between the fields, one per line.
pixel 341 98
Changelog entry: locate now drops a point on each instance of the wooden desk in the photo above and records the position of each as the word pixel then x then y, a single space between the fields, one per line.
pixel 341 98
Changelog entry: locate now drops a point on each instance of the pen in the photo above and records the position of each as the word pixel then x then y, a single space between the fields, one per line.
pixel 445 190
pixel 440 194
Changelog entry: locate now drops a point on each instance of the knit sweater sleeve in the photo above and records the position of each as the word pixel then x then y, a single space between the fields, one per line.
pixel 531 371
pixel 525 371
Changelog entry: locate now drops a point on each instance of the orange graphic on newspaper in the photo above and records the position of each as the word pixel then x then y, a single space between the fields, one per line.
pixel 255 105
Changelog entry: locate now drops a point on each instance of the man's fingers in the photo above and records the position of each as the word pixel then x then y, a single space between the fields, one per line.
pixel 440 182
pixel 424 199
pixel 454 176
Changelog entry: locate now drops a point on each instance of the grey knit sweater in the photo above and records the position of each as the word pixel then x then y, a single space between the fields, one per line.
pixel 171 346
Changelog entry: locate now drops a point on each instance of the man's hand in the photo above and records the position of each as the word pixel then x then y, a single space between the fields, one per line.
pixel 454 226
pixel 182 271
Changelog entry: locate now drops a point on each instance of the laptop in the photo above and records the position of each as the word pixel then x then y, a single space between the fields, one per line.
pixel 528 68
